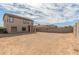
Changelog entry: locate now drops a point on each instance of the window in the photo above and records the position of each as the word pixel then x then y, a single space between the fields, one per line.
pixel 11 20
pixel 23 28
pixel 24 21
pixel 14 29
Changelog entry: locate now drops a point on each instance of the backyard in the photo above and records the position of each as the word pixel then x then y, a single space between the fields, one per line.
pixel 39 43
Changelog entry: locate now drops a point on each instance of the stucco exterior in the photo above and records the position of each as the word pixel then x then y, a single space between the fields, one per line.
pixel 17 22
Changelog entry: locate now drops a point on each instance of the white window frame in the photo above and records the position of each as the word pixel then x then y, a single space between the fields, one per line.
pixel 24 21
pixel 11 19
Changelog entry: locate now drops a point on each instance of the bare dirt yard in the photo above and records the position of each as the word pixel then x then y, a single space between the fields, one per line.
pixel 40 43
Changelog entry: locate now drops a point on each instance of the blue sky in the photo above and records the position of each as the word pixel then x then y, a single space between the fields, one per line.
pixel 1 17
pixel 60 14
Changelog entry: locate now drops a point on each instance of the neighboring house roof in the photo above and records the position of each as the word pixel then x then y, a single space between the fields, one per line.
pixel 16 16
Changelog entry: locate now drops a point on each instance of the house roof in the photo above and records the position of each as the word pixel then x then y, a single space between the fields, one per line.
pixel 16 16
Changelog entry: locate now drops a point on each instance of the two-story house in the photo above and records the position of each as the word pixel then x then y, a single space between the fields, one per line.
pixel 14 23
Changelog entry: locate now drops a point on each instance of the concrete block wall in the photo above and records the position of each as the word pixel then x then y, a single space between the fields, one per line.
pixel 76 30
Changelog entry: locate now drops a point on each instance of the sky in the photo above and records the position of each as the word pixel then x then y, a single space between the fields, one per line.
pixel 1 17
pixel 61 14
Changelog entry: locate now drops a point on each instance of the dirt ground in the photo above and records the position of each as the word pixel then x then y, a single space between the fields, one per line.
pixel 39 43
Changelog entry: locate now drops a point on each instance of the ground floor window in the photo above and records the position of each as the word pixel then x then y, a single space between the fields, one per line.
pixel 23 28
pixel 13 29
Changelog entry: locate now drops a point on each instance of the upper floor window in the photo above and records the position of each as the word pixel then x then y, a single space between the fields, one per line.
pixel 11 19
pixel 24 21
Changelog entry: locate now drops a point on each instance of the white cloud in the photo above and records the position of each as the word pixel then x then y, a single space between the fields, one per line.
pixel 52 13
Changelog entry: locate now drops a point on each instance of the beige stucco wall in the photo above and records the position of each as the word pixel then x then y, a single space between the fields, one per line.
pixel 17 22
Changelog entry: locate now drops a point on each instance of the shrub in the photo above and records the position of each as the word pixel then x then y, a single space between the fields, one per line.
pixel 3 30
